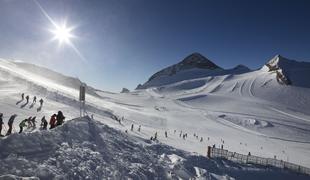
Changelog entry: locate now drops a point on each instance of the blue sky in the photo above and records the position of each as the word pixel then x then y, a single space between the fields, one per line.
pixel 125 41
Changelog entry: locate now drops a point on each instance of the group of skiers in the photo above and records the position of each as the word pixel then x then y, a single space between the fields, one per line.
pixel 55 120
pixel 183 135
pixel 34 99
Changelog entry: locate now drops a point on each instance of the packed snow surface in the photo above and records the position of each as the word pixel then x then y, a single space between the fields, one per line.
pixel 87 149
pixel 244 112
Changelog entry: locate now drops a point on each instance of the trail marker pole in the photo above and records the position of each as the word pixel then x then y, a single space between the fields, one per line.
pixel 82 99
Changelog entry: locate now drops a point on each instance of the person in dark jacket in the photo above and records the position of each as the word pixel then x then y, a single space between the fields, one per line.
pixel 34 99
pixel 29 122
pixel 22 125
pixel 41 102
pixel 23 96
pixel 43 123
pixel 60 118
pixel 10 124
pixel 53 121
pixel 1 123
pixel 27 99
pixel 33 121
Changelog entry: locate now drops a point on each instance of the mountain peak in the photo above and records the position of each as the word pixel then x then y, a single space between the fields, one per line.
pixel 193 61
pixel 196 60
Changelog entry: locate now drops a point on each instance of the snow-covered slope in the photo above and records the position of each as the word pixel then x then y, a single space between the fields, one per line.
pixel 29 73
pixel 289 72
pixel 87 149
pixel 244 112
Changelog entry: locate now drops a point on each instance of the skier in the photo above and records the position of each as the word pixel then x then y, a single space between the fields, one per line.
pixel 29 122
pixel 60 118
pixel 10 124
pixel 23 96
pixel 43 123
pixel 53 121
pixel 41 102
pixel 201 139
pixel 155 136
pixel 131 127
pixel 33 121
pixel 34 99
pixel 249 154
pixel 1 123
pixel 139 129
pixel 166 134
pixel 222 146
pixel 27 99
pixel 22 124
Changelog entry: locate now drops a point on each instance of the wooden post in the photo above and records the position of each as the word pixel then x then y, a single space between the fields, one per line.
pixel 209 151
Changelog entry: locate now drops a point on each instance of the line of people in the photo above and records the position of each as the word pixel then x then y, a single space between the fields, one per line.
pixel 55 120
pixel 27 99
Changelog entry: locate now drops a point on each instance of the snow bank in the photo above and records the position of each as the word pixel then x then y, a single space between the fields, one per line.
pixel 86 149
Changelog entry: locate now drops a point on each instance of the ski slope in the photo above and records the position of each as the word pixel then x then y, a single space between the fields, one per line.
pixel 87 149
pixel 250 112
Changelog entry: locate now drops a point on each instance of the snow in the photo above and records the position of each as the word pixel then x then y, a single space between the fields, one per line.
pixel 87 149
pixel 250 112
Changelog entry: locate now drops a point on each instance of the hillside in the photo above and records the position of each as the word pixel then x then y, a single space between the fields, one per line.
pixel 244 112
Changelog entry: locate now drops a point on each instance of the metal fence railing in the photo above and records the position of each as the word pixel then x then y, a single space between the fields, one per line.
pixel 250 159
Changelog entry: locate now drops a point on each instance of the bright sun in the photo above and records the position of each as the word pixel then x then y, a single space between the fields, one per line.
pixel 62 34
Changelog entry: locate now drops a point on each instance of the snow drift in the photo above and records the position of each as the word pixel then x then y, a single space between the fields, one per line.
pixel 86 149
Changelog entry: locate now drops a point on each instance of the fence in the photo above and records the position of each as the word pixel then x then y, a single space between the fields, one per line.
pixel 249 159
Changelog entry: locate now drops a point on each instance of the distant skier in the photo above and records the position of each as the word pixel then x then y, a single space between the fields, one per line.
pixel 139 128
pixel 60 118
pixel 34 99
pixel 41 102
pixel 27 99
pixel 33 121
pixel 23 96
pixel 166 134
pixel 22 125
pixel 1 123
pixel 201 139
pixel 131 127
pixel 155 136
pixel 249 154
pixel 43 123
pixel 29 122
pixel 10 124
pixel 53 121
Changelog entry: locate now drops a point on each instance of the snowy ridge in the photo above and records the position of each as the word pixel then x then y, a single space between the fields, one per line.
pixel 28 73
pixel 289 72
pixel 192 67
pixel 86 149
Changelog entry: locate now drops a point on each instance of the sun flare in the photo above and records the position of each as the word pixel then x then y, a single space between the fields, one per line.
pixel 62 34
